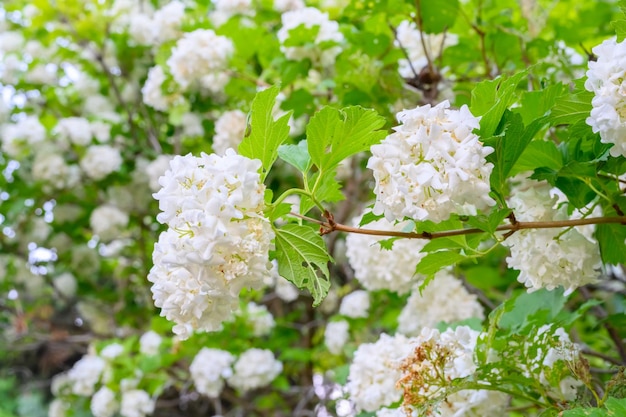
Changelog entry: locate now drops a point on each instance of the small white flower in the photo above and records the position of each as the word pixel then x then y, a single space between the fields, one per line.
pixel 112 351
pixel 100 161
pixel 255 368
pixel 336 336
pixel 103 403
pixel 209 369
pixel 85 374
pixel 108 222
pixel 167 21
pixel 136 403
pixel 149 343
pixel 76 130
pixel 355 304
pixel 229 131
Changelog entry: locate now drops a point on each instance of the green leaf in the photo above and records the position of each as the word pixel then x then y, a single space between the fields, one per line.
pixel 437 16
pixel 519 311
pixel 303 259
pixel 266 134
pixel 369 217
pixel 328 190
pixel 334 135
pixel 435 261
pixel 491 98
pixel 538 153
pixel 611 238
pixel 296 155
pixel 572 108
pixel 536 104
pixel 491 222
pixel 508 147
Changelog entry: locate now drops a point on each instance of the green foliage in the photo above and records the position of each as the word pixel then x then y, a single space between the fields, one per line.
pixel 303 259
pixel 266 134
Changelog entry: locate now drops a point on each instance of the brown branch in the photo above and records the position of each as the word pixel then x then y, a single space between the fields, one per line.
pixel 330 226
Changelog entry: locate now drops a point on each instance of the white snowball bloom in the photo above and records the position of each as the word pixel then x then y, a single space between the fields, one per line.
pixel 209 369
pixel 149 343
pixel 217 243
pixel 101 107
pixel 261 319
pixel 20 138
pixel 141 29
pixel 156 169
pixel 287 5
pixel 198 53
pixel 432 166
pixel 136 403
pixel 328 32
pixel 108 222
pixel 101 131
pixel 167 21
pixel 225 9
pixel 76 130
pixel 445 299
pixel 390 412
pixel 229 131
pixel 100 161
pixel 375 370
pixel 42 74
pixel 214 83
pixel 152 93
pixel 255 368
pixel 377 268
pixel 336 335
pixel 192 125
pixel 112 351
pixel 410 39
pixel 85 374
pixel 103 403
pixel 549 258
pixel 11 41
pixel 51 168
pixel 286 291
pixel 606 78
pixel 355 304
pixel 58 408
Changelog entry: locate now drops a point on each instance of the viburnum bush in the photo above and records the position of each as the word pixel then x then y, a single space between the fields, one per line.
pixel 312 208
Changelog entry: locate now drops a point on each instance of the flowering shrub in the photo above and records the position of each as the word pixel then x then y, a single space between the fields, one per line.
pixel 412 208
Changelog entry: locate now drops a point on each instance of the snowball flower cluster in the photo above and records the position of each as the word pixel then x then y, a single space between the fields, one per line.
pixel 336 336
pixel 255 368
pixel 103 403
pixel 152 91
pixel 136 403
pixel 606 79
pixel 51 169
pixel 20 138
pixel 225 9
pixel 217 241
pixel 549 258
pixel 445 299
pixel 197 54
pixel 310 17
pixel 150 342
pixel 260 318
pixel 108 222
pixel 432 166
pixel 229 131
pixel 76 130
pixel 85 374
pixel 409 38
pixel 355 304
pixel 381 269
pixel 375 370
pixel 100 161
pixel 209 369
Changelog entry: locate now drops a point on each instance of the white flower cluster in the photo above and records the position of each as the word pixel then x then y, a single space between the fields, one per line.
pixel 310 17
pixel 209 369
pixel 108 222
pixel 100 161
pixel 445 299
pixel 225 9
pixel 378 373
pixel 149 343
pixel 432 166
pixel 375 370
pixel 381 269
pixel 336 335
pixel 155 170
pixel 85 374
pixel 50 168
pixel 287 5
pixel 255 368
pixel 198 54
pixel 549 258
pixel 260 319
pixel 20 138
pixel 104 403
pixel 410 39
pixel 230 128
pixel 136 403
pixel 606 79
pixel 355 304
pixel 217 241
pixel 152 91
